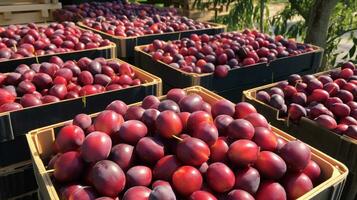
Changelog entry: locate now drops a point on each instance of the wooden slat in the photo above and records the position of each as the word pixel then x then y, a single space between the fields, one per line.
pixel 25 2
pixel 32 7
pixel 23 17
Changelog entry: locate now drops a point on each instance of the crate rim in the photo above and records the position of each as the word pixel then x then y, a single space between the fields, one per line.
pixel 339 170
pixel 156 81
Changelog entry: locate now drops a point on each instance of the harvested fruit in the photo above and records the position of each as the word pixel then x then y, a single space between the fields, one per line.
pixel 108 178
pixel 186 180
pixel 220 177
pixel 220 53
pixel 56 80
pixel 96 146
pixel 221 157
pixel 328 99
pixel 30 40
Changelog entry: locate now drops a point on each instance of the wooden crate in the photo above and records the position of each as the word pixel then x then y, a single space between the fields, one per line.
pixel 40 142
pixel 22 11
pixel 19 2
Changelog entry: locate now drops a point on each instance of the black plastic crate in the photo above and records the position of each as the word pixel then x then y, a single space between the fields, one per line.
pixel 126 45
pixel 18 181
pixel 14 151
pixel 237 80
pixel 17 123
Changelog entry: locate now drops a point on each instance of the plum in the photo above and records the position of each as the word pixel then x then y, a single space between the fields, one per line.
pixel 239 195
pixel 223 107
pixel 82 120
pixel 150 101
pixel 265 139
pixel 96 146
pixel 240 129
pixel 168 123
pixel 191 103
pixel 296 185
pixel 196 118
pixel 201 195
pixel 123 155
pixel 187 180
pixel 69 138
pixel 117 106
pixel 296 112
pixel 108 178
pixel 137 193
pixel 108 122
pixel 247 179
pixel 162 193
pixel 207 132
pixel 219 150
pixel 270 165
pixel 68 167
pixel 271 190
pixel 134 113
pixel 326 121
pixel 257 120
pixel 150 150
pixel 220 177
pixel 165 167
pixel 263 96
pixel 296 154
pixel 176 94
pixel 168 105
pixel 138 176
pixel 313 171
pixel 221 122
pixel 243 109
pixel 131 132
pixel 243 152
pixel 193 151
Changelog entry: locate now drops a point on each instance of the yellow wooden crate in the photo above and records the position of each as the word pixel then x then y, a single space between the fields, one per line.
pixel 40 142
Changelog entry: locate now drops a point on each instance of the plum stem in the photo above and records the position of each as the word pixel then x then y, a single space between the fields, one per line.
pixel 38 62
pixel 50 170
pixel 177 138
pixel 299 81
pixel 288 120
pixel 15 48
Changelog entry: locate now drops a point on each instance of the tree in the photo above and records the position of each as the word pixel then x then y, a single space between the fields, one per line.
pixel 320 22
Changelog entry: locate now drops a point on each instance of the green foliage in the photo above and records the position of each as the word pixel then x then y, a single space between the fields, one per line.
pixel 291 22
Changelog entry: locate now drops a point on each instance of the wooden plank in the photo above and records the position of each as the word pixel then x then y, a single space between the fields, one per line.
pixel 24 17
pixel 14 8
pixel 19 2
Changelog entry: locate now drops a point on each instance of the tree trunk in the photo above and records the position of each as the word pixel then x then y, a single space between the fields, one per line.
pixel 318 22
pixel 261 23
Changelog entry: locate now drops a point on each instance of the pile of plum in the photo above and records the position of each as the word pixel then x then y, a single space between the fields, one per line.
pixel 179 148
pixel 328 99
pixel 19 41
pixel 130 27
pixel 109 9
pixel 222 52
pixel 56 80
